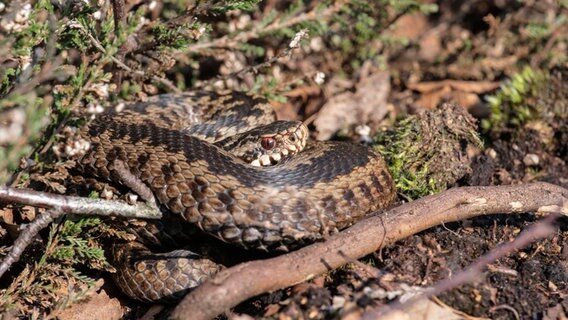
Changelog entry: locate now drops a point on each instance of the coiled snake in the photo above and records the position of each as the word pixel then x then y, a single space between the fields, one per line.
pixel 175 145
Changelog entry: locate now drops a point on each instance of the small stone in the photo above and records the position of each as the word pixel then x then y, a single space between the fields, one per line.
pixel 338 302
pixel 319 78
pixel 531 159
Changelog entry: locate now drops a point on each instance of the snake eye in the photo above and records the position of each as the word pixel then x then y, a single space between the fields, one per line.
pixel 268 143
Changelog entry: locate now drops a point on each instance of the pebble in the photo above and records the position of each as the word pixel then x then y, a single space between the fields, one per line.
pixel 531 159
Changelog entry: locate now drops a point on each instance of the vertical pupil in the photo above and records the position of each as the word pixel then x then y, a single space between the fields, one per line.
pixel 267 143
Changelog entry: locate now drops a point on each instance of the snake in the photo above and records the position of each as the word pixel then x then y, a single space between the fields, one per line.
pixel 221 162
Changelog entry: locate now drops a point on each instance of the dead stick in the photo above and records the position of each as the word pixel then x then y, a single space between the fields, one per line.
pixel 119 14
pixel 61 205
pixel 79 205
pixel 535 232
pixel 234 285
pixel 26 238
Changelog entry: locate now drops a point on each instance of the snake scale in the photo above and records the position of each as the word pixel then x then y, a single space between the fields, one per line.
pixel 169 144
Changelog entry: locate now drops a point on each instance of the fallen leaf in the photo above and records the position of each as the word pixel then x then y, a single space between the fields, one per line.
pixel 467 86
pixel 7 215
pixel 367 104
pixel 428 310
pixel 304 92
pixel 99 306
pixel 464 93
pixel 556 312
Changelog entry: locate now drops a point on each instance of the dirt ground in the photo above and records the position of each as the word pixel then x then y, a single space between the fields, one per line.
pixel 473 53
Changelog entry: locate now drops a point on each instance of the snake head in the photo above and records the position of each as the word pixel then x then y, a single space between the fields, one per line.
pixel 269 144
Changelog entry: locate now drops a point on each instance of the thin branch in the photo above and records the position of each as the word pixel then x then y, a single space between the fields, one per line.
pixel 255 69
pixel 26 237
pixel 538 231
pixel 242 37
pixel 61 205
pixel 134 183
pixel 78 205
pixel 119 16
pixel 98 46
pixel 226 289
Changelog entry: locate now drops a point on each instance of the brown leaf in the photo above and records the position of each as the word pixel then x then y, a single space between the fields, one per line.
pixel 464 93
pixel 431 99
pixel 99 306
pixel 367 104
pixel 410 26
pixel 304 92
pixel 430 46
pixel 271 310
pixel 427 309
pixel 7 215
pixel 499 63
pixel 556 312
pixel 465 99
pixel 467 86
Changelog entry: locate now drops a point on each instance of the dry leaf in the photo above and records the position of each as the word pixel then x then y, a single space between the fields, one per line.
pixel 99 306
pixel 464 93
pixel 428 310
pixel 553 313
pixel 7 215
pixel 367 104
pixel 467 86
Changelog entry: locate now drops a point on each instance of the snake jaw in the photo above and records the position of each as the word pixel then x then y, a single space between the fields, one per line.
pixel 266 160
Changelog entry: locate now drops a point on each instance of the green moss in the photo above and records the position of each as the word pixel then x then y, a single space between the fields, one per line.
pixel 425 152
pixel 514 104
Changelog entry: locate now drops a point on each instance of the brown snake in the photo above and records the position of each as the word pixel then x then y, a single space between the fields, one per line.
pixel 324 188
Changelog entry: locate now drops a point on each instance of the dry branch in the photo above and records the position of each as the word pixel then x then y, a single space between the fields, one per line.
pixel 230 41
pixel 535 232
pixel 167 83
pixel 236 284
pixel 60 205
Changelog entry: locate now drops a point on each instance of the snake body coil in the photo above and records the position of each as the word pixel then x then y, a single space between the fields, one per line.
pixel 326 187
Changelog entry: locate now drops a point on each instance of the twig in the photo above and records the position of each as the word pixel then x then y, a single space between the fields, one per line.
pixel 295 43
pixel 134 183
pixel 62 205
pixel 255 69
pixel 98 46
pixel 536 232
pixel 78 205
pixel 228 42
pixel 119 16
pixel 508 308
pixel 26 237
pixel 226 289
